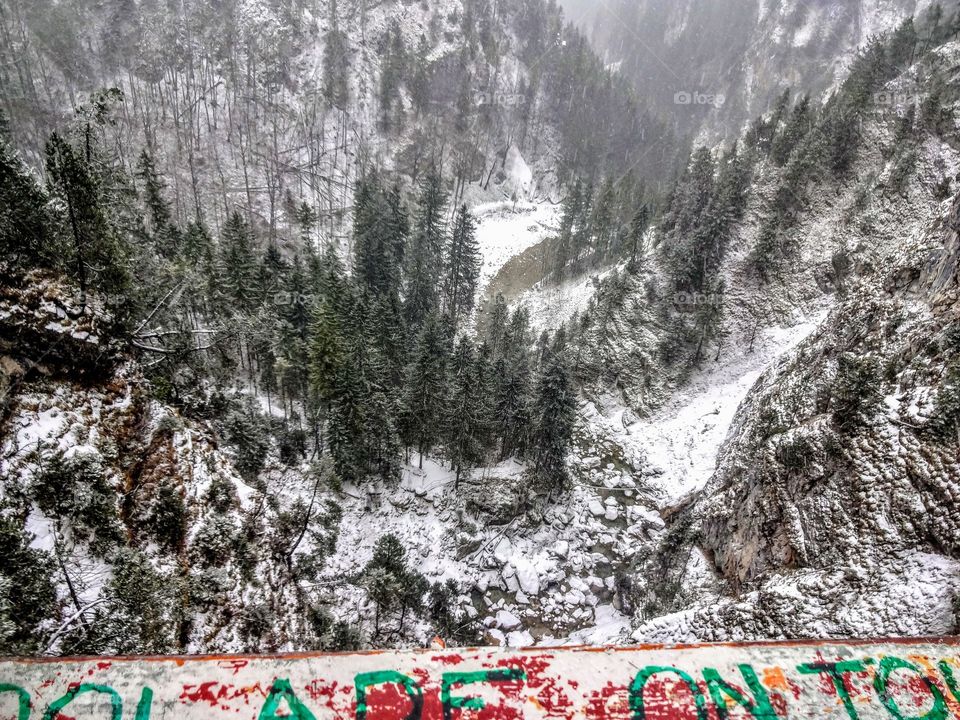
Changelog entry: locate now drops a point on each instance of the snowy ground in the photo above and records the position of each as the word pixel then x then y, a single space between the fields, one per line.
pixel 682 439
pixel 506 229
pixel 552 581
pixel 550 306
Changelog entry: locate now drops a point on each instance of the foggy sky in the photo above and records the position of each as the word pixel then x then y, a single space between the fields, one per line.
pixel 581 12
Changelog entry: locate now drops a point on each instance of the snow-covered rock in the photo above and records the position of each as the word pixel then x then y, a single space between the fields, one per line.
pixel 506 620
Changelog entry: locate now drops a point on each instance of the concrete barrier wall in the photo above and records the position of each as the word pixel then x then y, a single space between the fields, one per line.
pixel 902 680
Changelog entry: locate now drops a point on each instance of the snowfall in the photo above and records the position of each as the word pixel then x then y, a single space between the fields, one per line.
pixel 550 580
pixel 545 576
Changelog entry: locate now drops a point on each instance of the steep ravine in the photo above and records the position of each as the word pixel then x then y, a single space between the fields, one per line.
pixel 833 510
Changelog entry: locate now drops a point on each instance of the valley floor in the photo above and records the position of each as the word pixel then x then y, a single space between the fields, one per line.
pixel 553 579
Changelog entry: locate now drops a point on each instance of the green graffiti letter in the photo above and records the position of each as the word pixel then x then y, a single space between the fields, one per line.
pixel 365 680
pixel 116 704
pixel 837 672
pixel 759 707
pixel 949 679
pixel 890 664
pixel 23 698
pixel 281 690
pixel 636 690
pixel 467 678
pixel 143 707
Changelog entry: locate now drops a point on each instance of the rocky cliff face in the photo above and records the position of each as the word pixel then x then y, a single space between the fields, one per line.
pixel 832 508
pixel 851 445
pixel 836 493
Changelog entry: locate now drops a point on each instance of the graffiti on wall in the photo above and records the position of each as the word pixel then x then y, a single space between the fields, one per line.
pixel 895 680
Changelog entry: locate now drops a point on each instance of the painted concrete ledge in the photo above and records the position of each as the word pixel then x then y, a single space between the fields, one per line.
pixel 901 679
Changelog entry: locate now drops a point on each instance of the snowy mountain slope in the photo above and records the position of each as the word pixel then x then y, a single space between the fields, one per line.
pixel 862 218
pixel 712 67
pixel 84 464
pixel 265 107
pixel 835 491
pixel 837 508
pixel 679 442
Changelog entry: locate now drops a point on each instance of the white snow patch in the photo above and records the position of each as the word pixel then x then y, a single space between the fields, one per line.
pixel 683 438
pixel 506 229
pixel 506 620
pixel 550 306
pixel 519 174
pixel 611 627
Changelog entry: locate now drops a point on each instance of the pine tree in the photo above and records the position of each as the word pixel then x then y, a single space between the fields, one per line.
pixel 842 130
pixel 708 319
pixel 348 418
pixel 797 126
pixel 768 127
pixel 855 393
pixel 296 310
pixel 512 371
pixel 419 84
pixel 390 583
pixel 710 236
pixel 271 276
pixel 497 326
pixel 388 330
pixel 571 223
pixel 336 63
pixel 307 218
pixel 363 435
pixel 327 342
pixel 425 392
pixel 248 430
pixel 424 260
pixel 485 385
pixel 393 53
pixel 463 266
pixel 945 419
pixel 138 617
pixel 24 235
pixel 638 228
pixel 692 194
pixel 165 236
pixel 350 381
pixel 440 607
pixel 903 44
pixel 380 230
pixel 198 246
pixel 98 257
pixel 238 262
pixel 554 414
pixel 398 234
pixel 602 221
pixel 199 262
pixel 27 589
pixel 464 415
pixel 936 111
pixel 690 226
